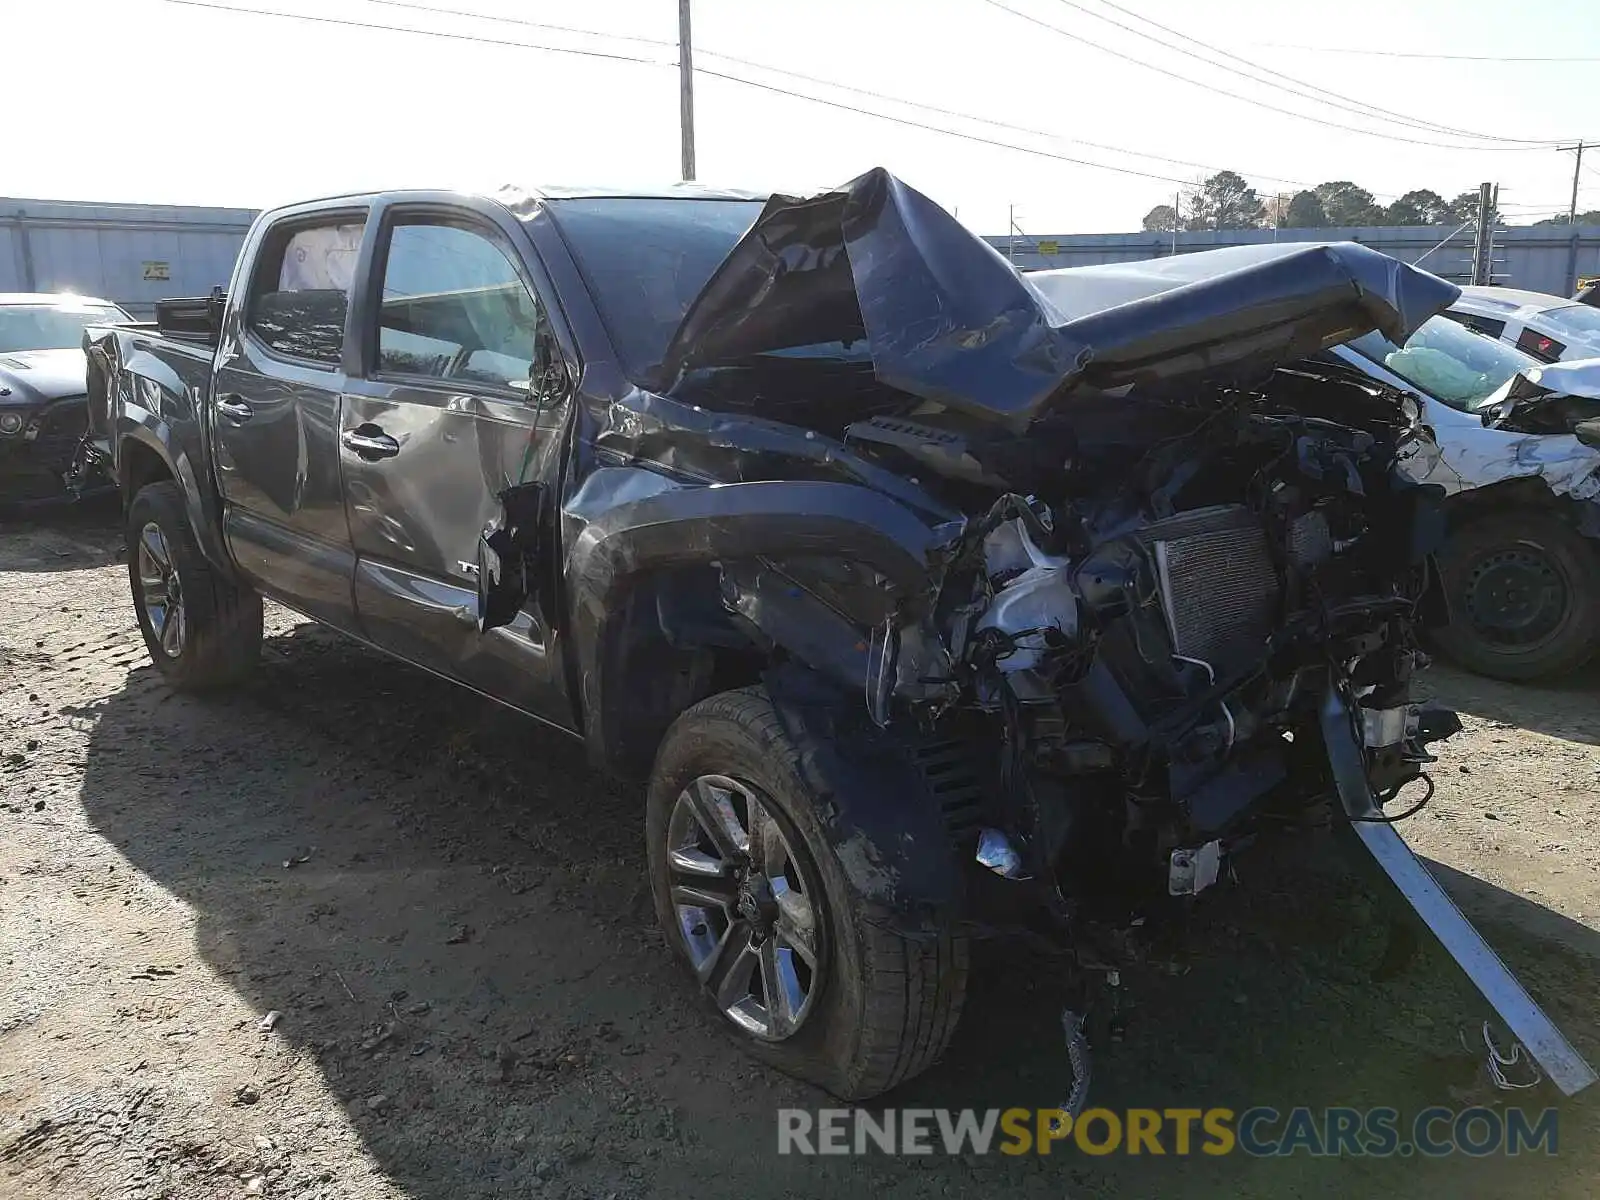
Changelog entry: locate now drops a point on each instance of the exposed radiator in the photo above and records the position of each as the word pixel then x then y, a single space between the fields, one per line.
pixel 1219 591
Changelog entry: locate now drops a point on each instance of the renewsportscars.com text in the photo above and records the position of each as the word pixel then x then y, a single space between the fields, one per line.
pixel 1261 1132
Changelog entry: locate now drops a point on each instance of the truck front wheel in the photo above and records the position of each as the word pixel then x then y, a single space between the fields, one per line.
pixel 756 902
pixel 202 631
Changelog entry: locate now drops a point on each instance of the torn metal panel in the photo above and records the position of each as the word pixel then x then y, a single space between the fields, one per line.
pixel 710 446
pixel 945 318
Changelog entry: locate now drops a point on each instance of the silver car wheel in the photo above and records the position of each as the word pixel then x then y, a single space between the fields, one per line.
pixel 161 591
pixel 747 906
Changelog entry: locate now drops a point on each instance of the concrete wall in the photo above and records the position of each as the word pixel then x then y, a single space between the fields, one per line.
pixel 1535 257
pixel 133 254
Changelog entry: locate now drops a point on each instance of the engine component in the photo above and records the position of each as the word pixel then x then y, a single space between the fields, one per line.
pixel 1388 726
pixel 1218 587
pixel 1190 872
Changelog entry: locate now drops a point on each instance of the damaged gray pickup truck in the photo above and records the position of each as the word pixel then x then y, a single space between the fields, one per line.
pixel 932 601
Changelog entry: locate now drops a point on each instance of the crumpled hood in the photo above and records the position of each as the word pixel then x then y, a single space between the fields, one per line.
pixel 947 318
pixel 29 378
pixel 1549 398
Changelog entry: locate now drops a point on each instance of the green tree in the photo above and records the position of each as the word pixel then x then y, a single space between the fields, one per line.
pixel 1163 218
pixel 1305 212
pixel 1592 217
pixel 1465 208
pixel 1420 207
pixel 1343 203
pixel 1225 201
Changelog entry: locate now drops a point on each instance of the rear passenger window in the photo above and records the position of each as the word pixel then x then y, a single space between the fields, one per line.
pixel 454 308
pixel 301 290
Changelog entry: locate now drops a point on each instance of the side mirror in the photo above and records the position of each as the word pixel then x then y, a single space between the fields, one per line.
pixel 508 556
pixel 548 379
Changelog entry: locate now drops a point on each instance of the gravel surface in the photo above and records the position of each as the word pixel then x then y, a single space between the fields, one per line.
pixel 352 932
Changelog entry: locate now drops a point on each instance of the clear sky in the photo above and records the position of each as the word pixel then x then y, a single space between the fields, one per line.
pixel 150 100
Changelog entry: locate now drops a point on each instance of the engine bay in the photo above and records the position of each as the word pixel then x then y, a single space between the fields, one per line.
pixel 1147 630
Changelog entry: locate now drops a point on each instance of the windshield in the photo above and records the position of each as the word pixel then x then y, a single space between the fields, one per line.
pixel 1447 361
pixel 51 326
pixel 645 260
pixel 1576 320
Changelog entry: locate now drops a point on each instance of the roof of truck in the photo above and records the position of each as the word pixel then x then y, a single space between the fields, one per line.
pixel 668 191
pixel 513 195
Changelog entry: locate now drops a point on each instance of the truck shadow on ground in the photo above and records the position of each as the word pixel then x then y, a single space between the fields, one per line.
pixel 465 931
pixel 1567 707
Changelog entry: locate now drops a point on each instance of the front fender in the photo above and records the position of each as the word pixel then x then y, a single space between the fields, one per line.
pixel 154 408
pixel 701 526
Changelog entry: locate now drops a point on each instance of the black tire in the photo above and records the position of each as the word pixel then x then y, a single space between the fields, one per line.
pixel 887 1004
pixel 220 630
pixel 1524 590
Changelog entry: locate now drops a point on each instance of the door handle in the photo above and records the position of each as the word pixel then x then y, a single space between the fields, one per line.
pixel 234 408
pixel 370 445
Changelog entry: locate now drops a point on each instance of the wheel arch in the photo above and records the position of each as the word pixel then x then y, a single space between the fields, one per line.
pixel 148 453
pixel 1526 492
pixel 653 630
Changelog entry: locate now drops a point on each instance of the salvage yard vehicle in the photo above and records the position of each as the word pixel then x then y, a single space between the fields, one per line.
pixel 1519 447
pixel 922 594
pixel 1550 328
pixel 42 410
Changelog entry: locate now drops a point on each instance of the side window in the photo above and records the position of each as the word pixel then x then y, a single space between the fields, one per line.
pixel 300 292
pixel 454 308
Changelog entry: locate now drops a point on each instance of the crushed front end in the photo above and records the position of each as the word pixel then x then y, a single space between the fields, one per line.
pixel 1151 637
pixel 1176 566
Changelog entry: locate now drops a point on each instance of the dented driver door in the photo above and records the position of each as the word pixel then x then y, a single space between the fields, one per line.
pixel 458 404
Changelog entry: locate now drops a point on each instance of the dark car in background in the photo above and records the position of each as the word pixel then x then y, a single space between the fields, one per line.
pixel 43 415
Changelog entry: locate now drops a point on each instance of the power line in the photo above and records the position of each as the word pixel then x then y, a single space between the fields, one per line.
pixel 1289 83
pixel 969 137
pixel 831 83
pixel 1393 137
pixel 436 33
pixel 1495 58
pixel 966 116
pixel 726 76
pixel 477 16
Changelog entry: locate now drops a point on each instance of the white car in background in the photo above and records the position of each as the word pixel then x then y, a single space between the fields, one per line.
pixel 1549 328
pixel 1519 445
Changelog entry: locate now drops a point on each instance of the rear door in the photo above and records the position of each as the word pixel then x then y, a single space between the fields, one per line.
pixel 275 413
pixel 453 409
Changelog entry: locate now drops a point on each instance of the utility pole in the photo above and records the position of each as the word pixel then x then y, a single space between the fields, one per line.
pixel 1482 272
pixel 1177 219
pixel 685 89
pixel 1011 234
pixel 1572 220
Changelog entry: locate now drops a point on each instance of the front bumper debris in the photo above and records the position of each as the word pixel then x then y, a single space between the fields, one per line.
pixel 1528 1022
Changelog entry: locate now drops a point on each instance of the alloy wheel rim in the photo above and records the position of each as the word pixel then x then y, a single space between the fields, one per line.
pixel 161 591
pixel 746 906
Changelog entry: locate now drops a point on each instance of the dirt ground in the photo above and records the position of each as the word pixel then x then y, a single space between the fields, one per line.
pixel 445 910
